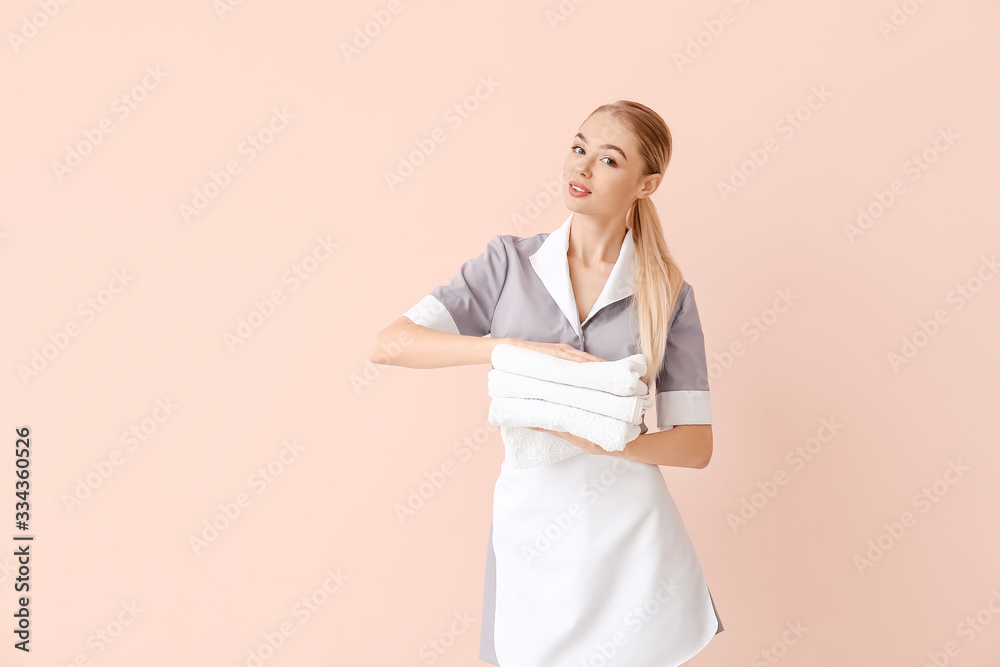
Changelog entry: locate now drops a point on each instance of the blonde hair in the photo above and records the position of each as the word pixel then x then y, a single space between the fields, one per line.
pixel 658 278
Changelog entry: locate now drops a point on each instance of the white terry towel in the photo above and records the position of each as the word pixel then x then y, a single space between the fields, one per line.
pixel 622 377
pixel 610 433
pixel 524 448
pixel 503 384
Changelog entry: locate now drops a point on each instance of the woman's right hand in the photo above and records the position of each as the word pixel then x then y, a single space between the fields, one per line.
pixel 561 350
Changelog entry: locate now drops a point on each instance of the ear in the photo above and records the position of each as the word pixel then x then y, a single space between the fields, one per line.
pixel 650 184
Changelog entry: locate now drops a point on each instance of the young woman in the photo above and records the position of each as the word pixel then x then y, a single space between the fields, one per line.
pixel 588 561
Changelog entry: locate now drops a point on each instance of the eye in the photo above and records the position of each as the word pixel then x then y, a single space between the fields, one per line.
pixel 611 161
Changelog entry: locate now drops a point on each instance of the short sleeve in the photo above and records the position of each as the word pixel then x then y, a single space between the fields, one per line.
pixel 682 392
pixel 466 304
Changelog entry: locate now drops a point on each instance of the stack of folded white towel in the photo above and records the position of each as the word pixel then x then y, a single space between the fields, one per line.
pixel 602 401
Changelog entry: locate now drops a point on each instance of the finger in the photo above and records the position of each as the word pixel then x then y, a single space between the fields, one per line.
pixel 571 352
pixel 586 356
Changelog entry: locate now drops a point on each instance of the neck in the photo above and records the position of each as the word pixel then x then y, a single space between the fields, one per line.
pixel 594 240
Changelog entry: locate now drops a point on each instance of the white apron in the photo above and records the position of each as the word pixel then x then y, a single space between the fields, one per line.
pixel 594 567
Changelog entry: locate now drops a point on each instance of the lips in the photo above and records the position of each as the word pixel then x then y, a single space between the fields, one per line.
pixel 577 188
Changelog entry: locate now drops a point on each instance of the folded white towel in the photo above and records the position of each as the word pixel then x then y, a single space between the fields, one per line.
pixel 525 448
pixel 610 433
pixel 622 377
pixel 503 384
pixel 532 377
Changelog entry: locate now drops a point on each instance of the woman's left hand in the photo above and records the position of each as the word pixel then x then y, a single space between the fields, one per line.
pixel 582 443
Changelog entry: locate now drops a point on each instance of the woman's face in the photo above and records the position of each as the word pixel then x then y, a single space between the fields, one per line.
pixel 604 160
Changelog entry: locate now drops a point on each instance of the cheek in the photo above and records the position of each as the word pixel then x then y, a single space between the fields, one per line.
pixel 614 186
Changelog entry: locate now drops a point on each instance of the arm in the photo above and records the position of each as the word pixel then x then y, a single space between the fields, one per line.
pixel 448 326
pixel 404 343
pixel 684 445
pixel 683 409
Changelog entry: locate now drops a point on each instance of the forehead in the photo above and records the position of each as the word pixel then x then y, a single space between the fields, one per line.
pixel 603 128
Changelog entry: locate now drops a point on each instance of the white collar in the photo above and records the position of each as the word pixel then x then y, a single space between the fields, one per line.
pixel 551 264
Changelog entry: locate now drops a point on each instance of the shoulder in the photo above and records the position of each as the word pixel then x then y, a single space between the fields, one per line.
pixel 685 293
pixel 503 252
pixel 522 243
pixel 686 290
pixel 517 247
pixel 685 302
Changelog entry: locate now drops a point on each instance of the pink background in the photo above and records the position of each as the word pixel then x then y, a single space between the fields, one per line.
pixel 368 435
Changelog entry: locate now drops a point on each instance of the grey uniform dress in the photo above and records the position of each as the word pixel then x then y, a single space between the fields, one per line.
pixel 625 581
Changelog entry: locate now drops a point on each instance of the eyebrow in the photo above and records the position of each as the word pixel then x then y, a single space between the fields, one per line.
pixel 609 147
